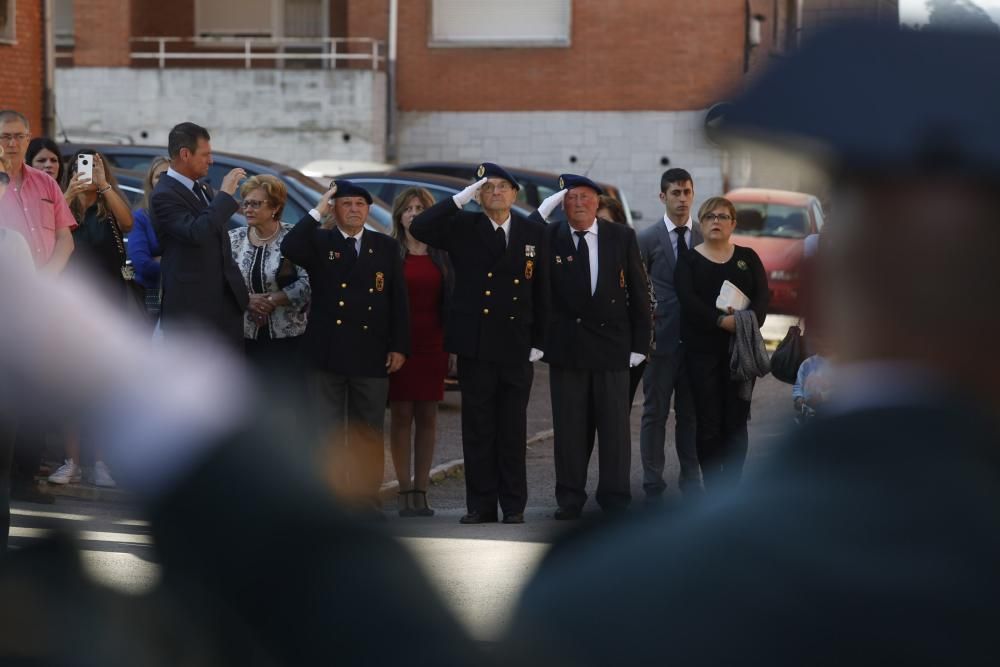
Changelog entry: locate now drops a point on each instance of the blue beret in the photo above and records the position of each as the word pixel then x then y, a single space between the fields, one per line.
pixel 348 189
pixel 491 170
pixel 870 98
pixel 570 181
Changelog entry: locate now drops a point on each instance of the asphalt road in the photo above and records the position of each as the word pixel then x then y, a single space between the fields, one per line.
pixel 479 570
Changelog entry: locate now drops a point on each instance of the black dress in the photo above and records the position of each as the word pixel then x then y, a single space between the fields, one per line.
pixel 100 251
pixel 722 438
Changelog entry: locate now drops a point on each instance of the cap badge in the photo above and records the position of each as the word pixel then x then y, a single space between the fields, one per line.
pixel 481 171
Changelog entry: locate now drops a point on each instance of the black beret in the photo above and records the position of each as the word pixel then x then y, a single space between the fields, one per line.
pixel 348 189
pixel 868 97
pixel 491 170
pixel 570 181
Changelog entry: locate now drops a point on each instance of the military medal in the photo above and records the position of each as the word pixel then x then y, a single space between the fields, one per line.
pixel 569 258
pixel 529 251
pixel 529 269
pixel 379 281
pixel 558 259
pixel 334 255
pixel 621 277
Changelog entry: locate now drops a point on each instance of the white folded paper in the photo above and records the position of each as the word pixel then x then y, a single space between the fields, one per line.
pixel 731 296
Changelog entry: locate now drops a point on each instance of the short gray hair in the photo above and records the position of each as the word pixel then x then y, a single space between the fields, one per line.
pixel 8 115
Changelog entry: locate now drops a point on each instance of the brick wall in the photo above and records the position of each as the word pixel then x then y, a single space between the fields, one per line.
pixel 22 76
pixel 817 13
pixel 101 33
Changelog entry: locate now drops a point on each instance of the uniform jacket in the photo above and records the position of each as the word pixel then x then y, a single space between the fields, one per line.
pixel 359 313
pixel 658 256
pixel 201 283
pixel 498 306
pixel 596 331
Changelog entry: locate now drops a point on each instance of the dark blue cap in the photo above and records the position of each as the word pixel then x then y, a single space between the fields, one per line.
pixel 570 181
pixel 348 189
pixel 491 170
pixel 870 98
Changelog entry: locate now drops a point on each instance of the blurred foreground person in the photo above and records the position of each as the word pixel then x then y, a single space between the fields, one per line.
pixel 871 538
pixel 260 566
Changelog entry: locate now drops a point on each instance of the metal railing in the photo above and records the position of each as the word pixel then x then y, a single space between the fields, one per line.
pixel 329 50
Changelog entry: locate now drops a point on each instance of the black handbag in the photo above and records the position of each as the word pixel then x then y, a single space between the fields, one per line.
pixel 788 356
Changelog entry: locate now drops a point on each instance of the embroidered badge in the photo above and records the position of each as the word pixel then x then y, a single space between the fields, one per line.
pixel 379 281
pixel 334 255
pixel 562 186
pixel 529 269
pixel 558 259
pixel 481 171
pixel 529 251
pixel 621 277
pixel 742 265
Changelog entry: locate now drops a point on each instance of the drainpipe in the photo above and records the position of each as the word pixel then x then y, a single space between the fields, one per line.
pixel 49 93
pixel 391 139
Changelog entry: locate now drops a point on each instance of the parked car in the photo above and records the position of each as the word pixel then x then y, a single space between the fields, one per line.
pixel 387 184
pixel 303 192
pixel 774 223
pixel 535 185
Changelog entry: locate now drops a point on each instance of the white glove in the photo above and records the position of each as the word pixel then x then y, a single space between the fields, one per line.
pixel 634 359
pixel 468 194
pixel 535 354
pixel 550 204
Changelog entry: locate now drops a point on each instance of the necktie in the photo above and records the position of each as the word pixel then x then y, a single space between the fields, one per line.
pixel 682 246
pixel 583 256
pixel 501 241
pixel 199 190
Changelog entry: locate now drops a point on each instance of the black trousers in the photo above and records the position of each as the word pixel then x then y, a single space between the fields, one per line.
pixel 8 432
pixel 722 437
pixel 495 433
pixel 582 400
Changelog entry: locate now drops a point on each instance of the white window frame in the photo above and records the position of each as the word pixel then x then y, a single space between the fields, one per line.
pixel 10 35
pixel 436 41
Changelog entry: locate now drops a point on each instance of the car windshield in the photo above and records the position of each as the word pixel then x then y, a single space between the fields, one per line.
pixel 761 219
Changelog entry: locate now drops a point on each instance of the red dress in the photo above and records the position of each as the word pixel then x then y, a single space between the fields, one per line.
pixel 422 376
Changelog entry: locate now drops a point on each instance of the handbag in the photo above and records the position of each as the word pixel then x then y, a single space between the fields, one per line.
pixel 788 356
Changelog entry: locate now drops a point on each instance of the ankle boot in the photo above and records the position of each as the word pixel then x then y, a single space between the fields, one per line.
pixel 404 502
pixel 420 507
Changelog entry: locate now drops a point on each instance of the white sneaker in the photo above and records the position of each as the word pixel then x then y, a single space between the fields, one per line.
pixel 102 476
pixel 67 473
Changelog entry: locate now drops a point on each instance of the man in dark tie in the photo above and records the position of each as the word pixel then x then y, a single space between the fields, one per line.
pixel 496 327
pixel 202 285
pixel 666 376
pixel 598 327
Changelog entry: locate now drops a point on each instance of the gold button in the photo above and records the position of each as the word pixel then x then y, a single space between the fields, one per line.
pixel 486 311
pixel 339 323
pixel 578 320
pixel 515 298
pixel 511 317
pixel 369 307
pixel 371 290
pixel 343 285
pixel 341 304
pixel 365 327
pixel 488 293
pixel 516 281
pixel 489 275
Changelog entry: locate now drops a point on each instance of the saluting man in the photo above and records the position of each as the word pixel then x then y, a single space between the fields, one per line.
pixel 599 326
pixel 358 330
pixel 496 327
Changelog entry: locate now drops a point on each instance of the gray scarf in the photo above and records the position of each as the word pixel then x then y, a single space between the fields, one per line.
pixel 748 358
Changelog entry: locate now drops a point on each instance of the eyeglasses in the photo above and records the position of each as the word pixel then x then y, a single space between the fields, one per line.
pixel 500 187
pixel 721 217
pixel 10 138
pixel 253 204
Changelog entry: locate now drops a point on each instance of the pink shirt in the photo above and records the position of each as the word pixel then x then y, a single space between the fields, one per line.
pixel 36 209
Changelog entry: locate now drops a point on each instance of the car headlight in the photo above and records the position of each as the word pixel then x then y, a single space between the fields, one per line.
pixel 786 276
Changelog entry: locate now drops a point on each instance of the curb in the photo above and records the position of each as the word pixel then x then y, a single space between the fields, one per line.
pixel 454 468
pixel 85 492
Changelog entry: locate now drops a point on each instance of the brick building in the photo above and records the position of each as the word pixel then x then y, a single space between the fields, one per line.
pixel 617 88
pixel 22 54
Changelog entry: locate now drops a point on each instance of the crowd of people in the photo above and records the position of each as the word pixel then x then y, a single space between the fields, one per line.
pixel 359 319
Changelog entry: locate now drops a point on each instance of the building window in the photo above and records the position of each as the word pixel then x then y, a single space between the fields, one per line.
pixel 514 23
pixel 63 23
pixel 7 20
pixel 236 18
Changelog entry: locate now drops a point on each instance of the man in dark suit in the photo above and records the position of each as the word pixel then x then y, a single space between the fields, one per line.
pixel 598 327
pixel 358 331
pixel 666 375
pixel 871 536
pixel 496 327
pixel 202 285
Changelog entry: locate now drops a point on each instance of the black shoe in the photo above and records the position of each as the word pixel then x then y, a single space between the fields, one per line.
pixel 420 506
pixel 404 504
pixel 514 517
pixel 28 492
pixel 568 514
pixel 478 517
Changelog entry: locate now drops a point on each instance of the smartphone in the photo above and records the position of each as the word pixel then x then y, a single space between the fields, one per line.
pixel 85 166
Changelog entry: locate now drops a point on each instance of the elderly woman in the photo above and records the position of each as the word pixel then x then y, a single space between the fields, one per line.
pixel 279 290
pixel 417 388
pixel 720 411
pixel 143 247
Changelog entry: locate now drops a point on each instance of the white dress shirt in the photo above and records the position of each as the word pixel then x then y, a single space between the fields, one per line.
pixel 591 236
pixel 673 234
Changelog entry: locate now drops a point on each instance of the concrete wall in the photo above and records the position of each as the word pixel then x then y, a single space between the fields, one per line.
pixel 286 116
pixel 624 148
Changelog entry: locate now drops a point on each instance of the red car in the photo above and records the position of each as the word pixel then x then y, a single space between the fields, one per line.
pixel 774 223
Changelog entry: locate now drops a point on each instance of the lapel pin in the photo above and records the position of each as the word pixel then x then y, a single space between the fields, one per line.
pixel 529 251
pixel 558 259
